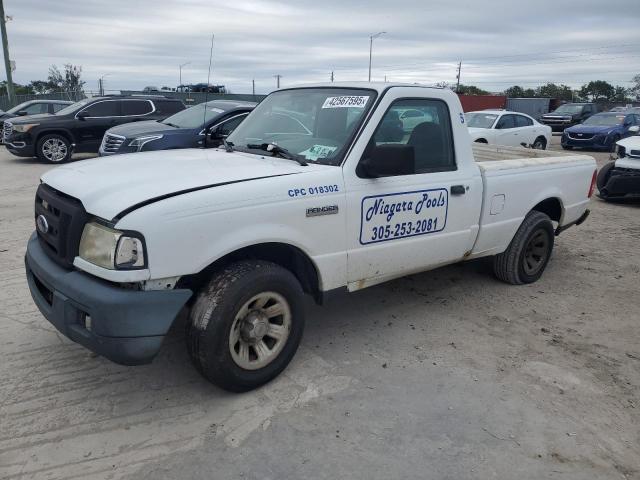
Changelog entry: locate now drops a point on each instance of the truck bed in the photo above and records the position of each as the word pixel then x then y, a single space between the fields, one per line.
pixel 496 157
pixel 516 179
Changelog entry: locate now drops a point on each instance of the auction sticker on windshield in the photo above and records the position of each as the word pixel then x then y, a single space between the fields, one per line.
pixel 401 215
pixel 346 101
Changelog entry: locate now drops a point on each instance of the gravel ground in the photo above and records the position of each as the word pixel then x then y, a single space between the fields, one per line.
pixel 448 374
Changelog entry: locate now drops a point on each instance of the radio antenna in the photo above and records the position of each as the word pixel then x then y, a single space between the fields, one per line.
pixel 206 95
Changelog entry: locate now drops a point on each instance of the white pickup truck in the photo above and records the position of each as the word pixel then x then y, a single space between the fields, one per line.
pixel 320 188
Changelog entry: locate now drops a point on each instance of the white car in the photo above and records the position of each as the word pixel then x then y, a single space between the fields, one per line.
pixel 621 177
pixel 236 236
pixel 502 127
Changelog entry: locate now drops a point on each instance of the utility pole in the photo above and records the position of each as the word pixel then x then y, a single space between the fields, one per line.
pixel 253 87
pixel 371 39
pixel 180 68
pixel 458 77
pixel 278 77
pixel 5 49
pixel 331 76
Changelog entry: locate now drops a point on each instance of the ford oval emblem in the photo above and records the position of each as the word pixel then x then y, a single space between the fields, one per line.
pixel 41 224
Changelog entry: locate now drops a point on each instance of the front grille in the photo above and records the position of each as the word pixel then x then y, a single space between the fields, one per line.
pixel 65 218
pixel 580 136
pixel 111 143
pixel 7 130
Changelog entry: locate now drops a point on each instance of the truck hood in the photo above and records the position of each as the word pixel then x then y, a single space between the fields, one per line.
pixel 109 186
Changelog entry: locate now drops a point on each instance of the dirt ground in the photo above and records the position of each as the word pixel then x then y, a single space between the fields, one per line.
pixel 448 374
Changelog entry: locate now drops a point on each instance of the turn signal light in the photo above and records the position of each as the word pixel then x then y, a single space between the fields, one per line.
pixel 592 187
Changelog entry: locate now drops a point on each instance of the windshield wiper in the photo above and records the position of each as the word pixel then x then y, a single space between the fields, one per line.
pixel 277 150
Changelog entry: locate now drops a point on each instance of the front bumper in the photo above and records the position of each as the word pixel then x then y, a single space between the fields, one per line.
pixel 557 125
pixel 622 181
pixel 21 145
pixel 125 326
pixel 597 142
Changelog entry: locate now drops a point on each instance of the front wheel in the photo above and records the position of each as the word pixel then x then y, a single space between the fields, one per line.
pixel 527 255
pixel 540 143
pixel 246 325
pixel 53 148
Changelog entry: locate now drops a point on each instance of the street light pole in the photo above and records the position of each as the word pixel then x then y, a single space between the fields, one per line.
pixel 371 39
pixel 180 67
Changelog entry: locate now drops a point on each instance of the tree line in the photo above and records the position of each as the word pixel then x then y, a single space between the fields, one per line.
pixel 69 79
pixel 594 91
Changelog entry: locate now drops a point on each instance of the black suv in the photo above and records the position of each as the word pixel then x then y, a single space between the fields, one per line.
pixel 80 127
pixel 568 115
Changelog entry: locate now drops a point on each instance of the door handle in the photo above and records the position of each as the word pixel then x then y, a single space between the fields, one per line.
pixel 458 190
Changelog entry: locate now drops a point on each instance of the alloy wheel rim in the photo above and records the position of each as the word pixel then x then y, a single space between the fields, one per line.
pixel 536 252
pixel 54 150
pixel 260 330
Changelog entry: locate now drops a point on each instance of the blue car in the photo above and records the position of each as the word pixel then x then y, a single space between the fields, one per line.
pixel 203 125
pixel 601 131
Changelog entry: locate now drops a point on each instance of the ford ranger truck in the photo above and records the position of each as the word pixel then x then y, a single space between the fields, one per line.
pixel 315 191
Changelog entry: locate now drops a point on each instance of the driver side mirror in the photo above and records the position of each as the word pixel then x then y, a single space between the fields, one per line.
pixel 22 113
pixel 215 136
pixel 387 160
pixel 82 115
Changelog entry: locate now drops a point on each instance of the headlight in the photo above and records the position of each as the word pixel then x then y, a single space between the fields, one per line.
pixel 141 141
pixel 110 248
pixel 25 127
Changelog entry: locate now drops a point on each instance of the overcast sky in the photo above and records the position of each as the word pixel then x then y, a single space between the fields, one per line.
pixel 500 42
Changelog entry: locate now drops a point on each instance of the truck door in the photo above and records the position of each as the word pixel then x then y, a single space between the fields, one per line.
pixel 407 223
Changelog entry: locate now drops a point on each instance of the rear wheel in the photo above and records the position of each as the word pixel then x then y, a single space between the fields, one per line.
pixel 567 147
pixel 540 143
pixel 529 251
pixel 481 140
pixel 53 148
pixel 246 325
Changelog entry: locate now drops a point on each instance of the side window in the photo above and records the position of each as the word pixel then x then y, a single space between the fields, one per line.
pixel 166 107
pixel 428 133
pixel 505 122
pixel 522 121
pixel 36 108
pixel 230 125
pixel 107 108
pixel 58 106
pixel 136 107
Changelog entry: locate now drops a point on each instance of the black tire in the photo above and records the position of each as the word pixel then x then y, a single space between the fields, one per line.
pixel 616 138
pixel 603 178
pixel 214 314
pixel 481 140
pixel 540 143
pixel 567 147
pixel 518 264
pixel 61 153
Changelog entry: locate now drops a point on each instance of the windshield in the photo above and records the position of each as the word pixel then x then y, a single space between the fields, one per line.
pixel 193 117
pixel 73 107
pixel 571 109
pixel 604 120
pixel 314 123
pixel 17 108
pixel 480 120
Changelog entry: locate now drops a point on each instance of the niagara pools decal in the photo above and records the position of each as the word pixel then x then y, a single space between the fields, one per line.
pixel 405 214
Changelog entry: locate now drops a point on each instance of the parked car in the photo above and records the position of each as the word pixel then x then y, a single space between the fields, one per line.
pixel 601 131
pixel 238 236
pixel 621 177
pixel 568 115
pixel 502 127
pixel 201 88
pixel 35 107
pixel 150 89
pixel 201 125
pixel 80 127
